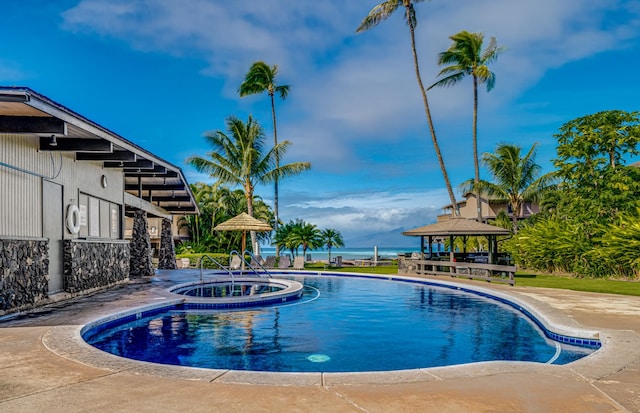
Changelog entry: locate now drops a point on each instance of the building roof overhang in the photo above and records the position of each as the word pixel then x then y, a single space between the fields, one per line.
pixel 146 175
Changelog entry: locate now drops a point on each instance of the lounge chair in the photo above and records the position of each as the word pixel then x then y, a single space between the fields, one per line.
pixel 235 263
pixel 257 261
pixel 284 262
pixel 298 263
pixel 270 262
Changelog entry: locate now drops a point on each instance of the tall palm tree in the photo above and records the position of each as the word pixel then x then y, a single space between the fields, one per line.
pixel 380 13
pixel 259 79
pixel 466 57
pixel 331 238
pixel 240 158
pixel 516 178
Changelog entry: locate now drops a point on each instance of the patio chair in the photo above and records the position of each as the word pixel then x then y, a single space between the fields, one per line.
pixel 257 261
pixel 235 263
pixel 298 263
pixel 270 262
pixel 284 262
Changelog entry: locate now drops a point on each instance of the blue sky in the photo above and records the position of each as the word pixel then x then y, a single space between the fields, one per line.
pixel 162 72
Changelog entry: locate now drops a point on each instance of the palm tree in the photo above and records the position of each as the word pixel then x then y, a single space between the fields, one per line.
pixel 306 235
pixel 241 159
pixel 331 238
pixel 466 57
pixel 516 178
pixel 260 78
pixel 380 13
pixel 282 236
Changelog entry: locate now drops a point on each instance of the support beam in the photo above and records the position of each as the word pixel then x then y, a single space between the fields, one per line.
pixel 180 210
pixel 134 165
pixel 14 97
pixel 113 156
pixel 181 198
pixel 75 145
pixel 32 124
pixel 155 187
pixel 151 174
pixel 148 170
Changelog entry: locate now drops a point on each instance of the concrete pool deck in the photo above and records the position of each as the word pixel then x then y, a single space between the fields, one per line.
pixel 44 367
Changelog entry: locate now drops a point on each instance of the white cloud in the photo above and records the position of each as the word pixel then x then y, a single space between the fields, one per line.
pixel 351 93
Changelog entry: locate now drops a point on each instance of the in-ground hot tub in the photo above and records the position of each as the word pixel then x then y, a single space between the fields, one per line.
pixel 240 292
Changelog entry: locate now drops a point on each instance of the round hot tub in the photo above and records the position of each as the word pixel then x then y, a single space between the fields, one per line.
pixel 240 291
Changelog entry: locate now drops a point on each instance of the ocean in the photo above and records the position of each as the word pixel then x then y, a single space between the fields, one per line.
pixel 346 253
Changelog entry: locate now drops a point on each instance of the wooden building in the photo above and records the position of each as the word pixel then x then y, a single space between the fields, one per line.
pixel 67 187
pixel 468 208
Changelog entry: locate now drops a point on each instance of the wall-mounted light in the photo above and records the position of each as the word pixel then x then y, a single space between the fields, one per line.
pixel 53 141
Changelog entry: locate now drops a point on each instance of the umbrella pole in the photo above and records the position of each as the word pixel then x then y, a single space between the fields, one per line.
pixel 244 247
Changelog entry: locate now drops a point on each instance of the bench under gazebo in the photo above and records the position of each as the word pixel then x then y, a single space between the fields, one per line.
pixel 489 266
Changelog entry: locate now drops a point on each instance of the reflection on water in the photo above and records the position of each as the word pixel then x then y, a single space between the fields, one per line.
pixel 360 325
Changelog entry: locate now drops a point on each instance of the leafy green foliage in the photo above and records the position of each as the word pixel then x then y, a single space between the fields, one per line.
pixel 516 178
pixel 298 234
pixel 596 185
pixel 331 238
pixel 218 204
pixel 194 259
pixel 590 226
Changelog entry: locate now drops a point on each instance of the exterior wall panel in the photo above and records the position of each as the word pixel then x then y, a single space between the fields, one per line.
pixel 21 200
pixel 20 193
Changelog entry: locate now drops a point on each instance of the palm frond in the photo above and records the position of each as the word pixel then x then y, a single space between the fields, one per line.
pixel 378 14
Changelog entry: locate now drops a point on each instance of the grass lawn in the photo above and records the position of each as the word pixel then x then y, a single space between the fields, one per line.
pixel 524 279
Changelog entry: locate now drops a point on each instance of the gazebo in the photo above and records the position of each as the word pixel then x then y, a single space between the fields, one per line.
pixel 458 228
pixel 458 264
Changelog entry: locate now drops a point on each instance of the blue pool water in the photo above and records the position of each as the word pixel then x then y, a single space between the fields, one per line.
pixel 341 324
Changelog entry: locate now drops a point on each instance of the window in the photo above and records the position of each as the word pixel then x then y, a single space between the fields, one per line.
pixel 99 218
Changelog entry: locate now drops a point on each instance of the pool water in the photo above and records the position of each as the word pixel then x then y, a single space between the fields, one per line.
pixel 341 324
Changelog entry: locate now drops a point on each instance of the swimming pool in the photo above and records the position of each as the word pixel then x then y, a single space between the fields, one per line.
pixel 341 324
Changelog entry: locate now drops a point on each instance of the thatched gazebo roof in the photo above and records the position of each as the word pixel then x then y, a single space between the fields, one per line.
pixel 243 222
pixel 456 227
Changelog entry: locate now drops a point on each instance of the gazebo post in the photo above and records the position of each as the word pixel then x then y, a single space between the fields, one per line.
pixel 452 257
pixel 430 246
pixel 422 247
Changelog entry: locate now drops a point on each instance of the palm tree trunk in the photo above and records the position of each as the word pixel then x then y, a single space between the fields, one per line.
pixel 515 207
pixel 476 165
pixel 275 182
pixel 436 147
pixel 249 195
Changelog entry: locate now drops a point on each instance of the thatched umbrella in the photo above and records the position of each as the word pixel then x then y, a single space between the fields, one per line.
pixel 243 222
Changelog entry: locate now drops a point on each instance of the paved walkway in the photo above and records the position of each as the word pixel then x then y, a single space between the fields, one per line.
pixel 45 368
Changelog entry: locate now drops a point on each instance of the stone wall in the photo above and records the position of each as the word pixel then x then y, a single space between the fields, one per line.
pixel 24 267
pixel 167 253
pixel 140 248
pixel 90 265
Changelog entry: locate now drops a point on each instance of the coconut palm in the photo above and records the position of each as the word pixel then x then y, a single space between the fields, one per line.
pixel 305 235
pixel 259 79
pixel 331 238
pixel 516 178
pixel 466 57
pixel 380 13
pixel 241 158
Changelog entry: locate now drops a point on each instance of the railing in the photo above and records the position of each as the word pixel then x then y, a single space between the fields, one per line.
pixel 253 259
pixel 200 265
pixel 487 272
pixel 244 263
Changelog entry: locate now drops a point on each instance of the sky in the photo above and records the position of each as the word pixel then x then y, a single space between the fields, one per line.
pixel 161 73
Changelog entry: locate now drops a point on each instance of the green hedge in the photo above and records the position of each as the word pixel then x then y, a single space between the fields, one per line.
pixel 194 259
